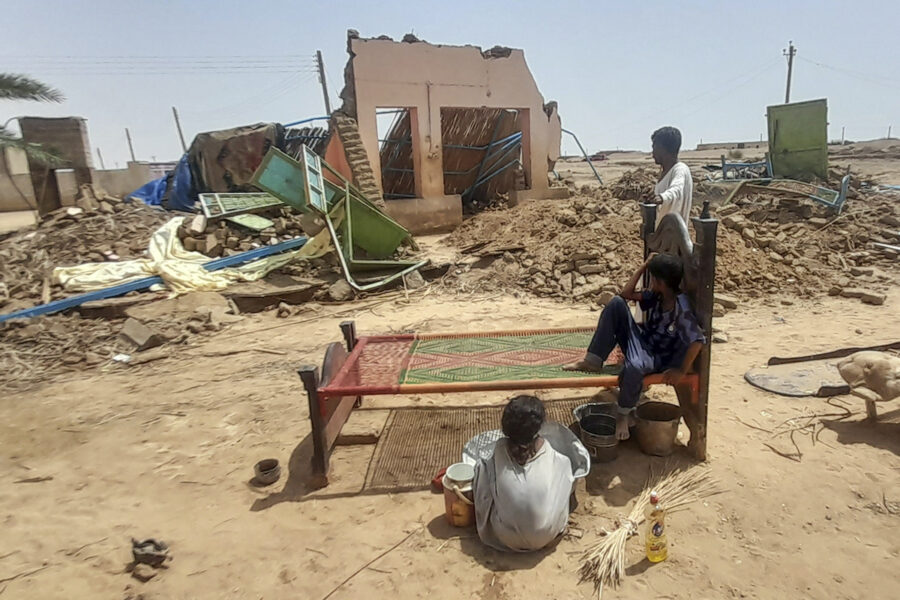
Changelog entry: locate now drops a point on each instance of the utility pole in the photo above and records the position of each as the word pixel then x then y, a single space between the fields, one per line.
pixel 790 53
pixel 178 126
pixel 323 82
pixel 100 156
pixel 130 147
pixel 842 135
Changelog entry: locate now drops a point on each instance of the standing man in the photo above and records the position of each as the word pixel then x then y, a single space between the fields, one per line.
pixel 675 188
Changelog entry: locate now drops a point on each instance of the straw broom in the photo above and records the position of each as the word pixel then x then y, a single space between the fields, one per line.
pixel 604 562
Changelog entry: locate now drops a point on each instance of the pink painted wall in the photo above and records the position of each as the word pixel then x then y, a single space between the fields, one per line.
pixel 425 78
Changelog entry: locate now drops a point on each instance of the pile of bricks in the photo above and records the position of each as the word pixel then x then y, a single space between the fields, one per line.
pixel 363 176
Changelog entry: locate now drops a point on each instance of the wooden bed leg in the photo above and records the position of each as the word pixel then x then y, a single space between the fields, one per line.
pixel 705 252
pixel 348 328
pixel 689 399
pixel 648 226
pixel 310 376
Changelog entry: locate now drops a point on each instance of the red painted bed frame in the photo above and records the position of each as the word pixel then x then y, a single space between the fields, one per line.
pixel 330 405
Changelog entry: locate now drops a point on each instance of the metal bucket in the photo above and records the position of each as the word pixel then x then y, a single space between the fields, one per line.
pixel 597 429
pixel 657 427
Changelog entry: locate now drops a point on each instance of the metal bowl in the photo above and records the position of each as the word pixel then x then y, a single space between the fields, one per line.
pixel 267 471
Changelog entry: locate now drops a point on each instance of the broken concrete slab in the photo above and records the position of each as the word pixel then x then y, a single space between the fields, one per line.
pixel 260 295
pixel 729 302
pixel 115 308
pixel 141 336
pixel 873 298
pixel 180 307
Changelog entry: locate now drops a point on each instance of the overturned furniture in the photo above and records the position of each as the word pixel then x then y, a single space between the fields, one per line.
pixel 504 360
pixel 355 224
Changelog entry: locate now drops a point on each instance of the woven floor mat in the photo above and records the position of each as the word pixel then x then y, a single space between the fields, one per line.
pixel 417 443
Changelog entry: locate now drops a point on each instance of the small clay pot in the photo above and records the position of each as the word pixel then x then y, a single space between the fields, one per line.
pixel 267 471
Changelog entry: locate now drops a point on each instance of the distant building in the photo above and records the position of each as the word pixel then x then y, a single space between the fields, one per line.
pixel 764 146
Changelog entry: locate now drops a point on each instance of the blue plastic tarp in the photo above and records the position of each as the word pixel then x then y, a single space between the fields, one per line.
pixel 150 193
pixel 181 195
pixel 172 192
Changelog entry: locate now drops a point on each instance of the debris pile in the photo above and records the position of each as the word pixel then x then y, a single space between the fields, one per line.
pixel 109 230
pixel 637 184
pixel 586 248
pixel 581 249
pixel 229 237
pixel 771 244
pixel 33 350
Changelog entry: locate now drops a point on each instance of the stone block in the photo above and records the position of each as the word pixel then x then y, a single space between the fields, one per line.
pixel 726 301
pixel 213 245
pixel 141 336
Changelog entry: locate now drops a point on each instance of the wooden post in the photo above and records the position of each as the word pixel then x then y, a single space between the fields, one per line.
pixel 130 146
pixel 348 328
pixel 321 66
pixel 178 126
pixel 310 377
pixel 648 216
pixel 705 253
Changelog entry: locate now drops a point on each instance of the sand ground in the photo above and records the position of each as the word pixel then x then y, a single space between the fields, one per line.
pixel 166 450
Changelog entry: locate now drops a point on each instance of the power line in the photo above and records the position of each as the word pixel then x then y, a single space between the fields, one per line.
pixel 262 57
pixel 671 107
pixel 878 79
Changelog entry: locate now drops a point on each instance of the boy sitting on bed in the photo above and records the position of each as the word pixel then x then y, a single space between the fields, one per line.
pixel 668 342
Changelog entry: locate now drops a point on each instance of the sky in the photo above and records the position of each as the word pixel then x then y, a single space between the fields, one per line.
pixel 618 70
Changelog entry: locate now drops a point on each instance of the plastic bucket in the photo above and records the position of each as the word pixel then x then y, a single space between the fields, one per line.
pixel 657 427
pixel 597 426
pixel 459 506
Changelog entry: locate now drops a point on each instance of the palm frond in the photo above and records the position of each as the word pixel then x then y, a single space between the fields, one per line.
pixel 20 87
pixel 35 152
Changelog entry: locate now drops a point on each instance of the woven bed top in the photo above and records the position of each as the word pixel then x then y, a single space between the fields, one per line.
pixel 422 362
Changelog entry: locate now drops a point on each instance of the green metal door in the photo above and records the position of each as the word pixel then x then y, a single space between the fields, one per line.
pixel 798 140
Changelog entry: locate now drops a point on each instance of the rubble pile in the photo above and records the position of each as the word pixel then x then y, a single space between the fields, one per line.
pixel 225 238
pixel 34 350
pixel 637 184
pixel 572 250
pixel 109 230
pixel 775 245
pixel 585 249
pixel 31 349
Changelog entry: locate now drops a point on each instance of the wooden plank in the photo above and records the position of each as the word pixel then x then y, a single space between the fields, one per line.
pixel 840 353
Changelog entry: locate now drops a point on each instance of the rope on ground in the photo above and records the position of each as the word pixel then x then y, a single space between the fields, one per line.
pixel 362 568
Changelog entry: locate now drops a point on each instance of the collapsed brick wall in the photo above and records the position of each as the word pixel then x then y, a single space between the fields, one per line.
pixel 363 176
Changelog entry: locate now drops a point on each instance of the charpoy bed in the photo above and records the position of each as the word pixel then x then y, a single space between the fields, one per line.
pixel 425 363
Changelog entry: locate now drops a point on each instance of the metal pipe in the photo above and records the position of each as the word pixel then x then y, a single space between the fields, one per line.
pixel 586 157
pixel 301 122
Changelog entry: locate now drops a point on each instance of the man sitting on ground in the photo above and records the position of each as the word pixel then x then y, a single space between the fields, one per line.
pixel 522 492
pixel 675 188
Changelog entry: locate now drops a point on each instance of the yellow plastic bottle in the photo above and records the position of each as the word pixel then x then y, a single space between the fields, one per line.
pixel 655 537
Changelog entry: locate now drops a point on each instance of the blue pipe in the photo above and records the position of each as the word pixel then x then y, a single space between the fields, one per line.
pixel 142 284
pixel 305 121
